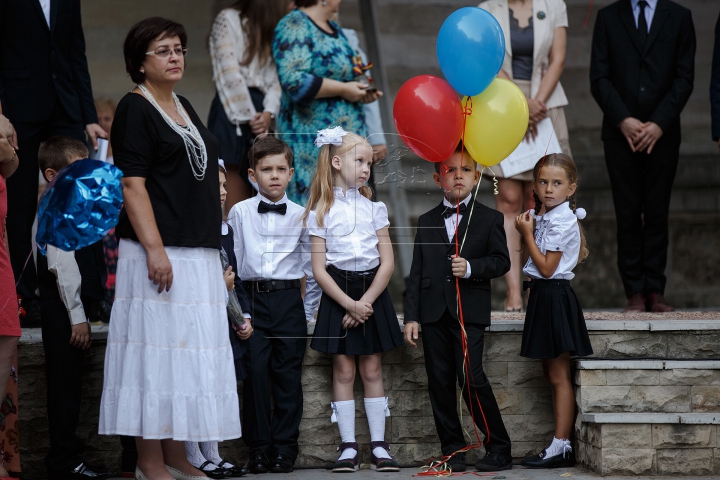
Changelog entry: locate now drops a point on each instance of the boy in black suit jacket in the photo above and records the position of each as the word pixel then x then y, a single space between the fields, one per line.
pixel 431 300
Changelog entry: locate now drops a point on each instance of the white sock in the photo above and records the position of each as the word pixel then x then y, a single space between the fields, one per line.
pixel 376 410
pixel 211 452
pixel 558 447
pixel 344 415
pixel 194 455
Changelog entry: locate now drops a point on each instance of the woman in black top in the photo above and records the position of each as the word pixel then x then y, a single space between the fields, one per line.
pixel 169 374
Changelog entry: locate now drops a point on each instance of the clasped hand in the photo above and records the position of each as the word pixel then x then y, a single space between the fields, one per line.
pixel 358 312
pixel 640 136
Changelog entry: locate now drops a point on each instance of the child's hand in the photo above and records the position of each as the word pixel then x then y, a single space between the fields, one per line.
pixel 361 311
pixel 245 334
pixel 459 266
pixel 349 321
pixel 524 223
pixel 229 277
pixel 411 333
pixel 80 336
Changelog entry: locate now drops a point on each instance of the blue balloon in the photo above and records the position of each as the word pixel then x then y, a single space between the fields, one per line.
pixel 80 206
pixel 470 48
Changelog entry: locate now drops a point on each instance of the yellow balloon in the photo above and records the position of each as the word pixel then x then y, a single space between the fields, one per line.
pixel 497 123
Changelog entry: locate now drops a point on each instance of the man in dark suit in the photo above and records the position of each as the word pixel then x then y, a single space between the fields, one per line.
pixel 715 86
pixel 431 300
pixel 45 91
pixel 641 74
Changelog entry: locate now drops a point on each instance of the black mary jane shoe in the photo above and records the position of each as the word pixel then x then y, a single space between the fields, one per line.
pixel 216 472
pixel 382 464
pixel 347 465
pixel 457 463
pixel 281 464
pixel 258 462
pixel 541 460
pixel 234 471
pixel 82 472
pixel 494 462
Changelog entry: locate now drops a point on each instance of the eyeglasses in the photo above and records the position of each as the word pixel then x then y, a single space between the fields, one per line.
pixel 165 52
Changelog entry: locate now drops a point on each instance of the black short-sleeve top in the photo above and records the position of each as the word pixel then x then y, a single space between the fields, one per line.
pixel 187 211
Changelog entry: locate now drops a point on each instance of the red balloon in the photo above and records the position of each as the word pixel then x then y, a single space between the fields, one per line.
pixel 428 116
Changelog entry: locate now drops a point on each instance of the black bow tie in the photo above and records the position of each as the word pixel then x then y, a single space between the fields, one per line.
pixel 450 211
pixel 264 207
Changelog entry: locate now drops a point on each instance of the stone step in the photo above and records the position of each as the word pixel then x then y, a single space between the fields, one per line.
pixel 659 418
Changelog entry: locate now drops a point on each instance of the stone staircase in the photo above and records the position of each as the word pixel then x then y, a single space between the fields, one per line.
pixel 648 417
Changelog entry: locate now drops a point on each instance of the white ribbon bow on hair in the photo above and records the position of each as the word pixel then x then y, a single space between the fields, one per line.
pixel 580 213
pixel 330 136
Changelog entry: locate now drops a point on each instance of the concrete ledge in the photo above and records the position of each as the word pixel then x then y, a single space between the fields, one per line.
pixel 640 418
pixel 631 364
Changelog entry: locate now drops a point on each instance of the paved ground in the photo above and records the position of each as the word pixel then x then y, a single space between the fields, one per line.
pixel 517 473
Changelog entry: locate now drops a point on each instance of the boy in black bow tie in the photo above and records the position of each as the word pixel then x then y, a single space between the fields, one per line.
pixel 272 249
pixel 432 301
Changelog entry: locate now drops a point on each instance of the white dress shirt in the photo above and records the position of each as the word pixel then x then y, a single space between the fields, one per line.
pixel 350 231
pixel 557 231
pixel 452 222
pixel 45 4
pixel 270 246
pixel 62 264
pixel 649 11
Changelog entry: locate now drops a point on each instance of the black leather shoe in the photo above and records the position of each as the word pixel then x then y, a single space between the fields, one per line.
pixel 457 462
pixel 234 471
pixel 557 461
pixel 212 470
pixel 81 472
pixel 281 464
pixel 258 462
pixel 494 462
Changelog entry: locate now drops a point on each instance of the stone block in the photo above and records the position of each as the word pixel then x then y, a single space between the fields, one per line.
pixel 716 461
pixel 405 354
pixel 503 347
pixel 678 436
pixel 316 378
pixel 589 456
pixel 706 399
pixel 316 455
pixel 590 377
pixel 693 461
pixel 313 357
pixel 317 404
pixel 589 433
pixel 415 454
pixel 413 430
pixel 318 431
pixel 412 404
pixel 616 399
pixel 510 400
pixel 536 401
pixel 628 462
pixel 497 373
pixel 526 374
pixel 632 377
pixel 696 345
pixel 408 377
pixel 630 344
pixel 530 428
pixel 681 376
pixel 626 436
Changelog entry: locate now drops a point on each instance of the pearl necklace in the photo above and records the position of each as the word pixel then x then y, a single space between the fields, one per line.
pixel 194 144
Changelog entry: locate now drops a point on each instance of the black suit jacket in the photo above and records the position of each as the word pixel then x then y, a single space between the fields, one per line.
pixel 650 84
pixel 715 85
pixel 40 66
pixel 431 285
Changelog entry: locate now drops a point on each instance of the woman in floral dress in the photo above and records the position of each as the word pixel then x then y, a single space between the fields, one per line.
pixel 315 67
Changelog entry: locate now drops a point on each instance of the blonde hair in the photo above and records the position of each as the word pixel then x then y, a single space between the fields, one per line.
pixel 321 189
pixel 104 103
pixel 568 165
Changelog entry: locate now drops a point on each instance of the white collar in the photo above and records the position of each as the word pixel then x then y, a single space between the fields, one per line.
pixel 225 228
pixel 351 192
pixel 559 211
pixel 447 203
pixel 263 198
pixel 651 4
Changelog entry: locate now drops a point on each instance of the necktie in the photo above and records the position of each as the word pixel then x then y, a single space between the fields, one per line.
pixel 264 207
pixel 642 23
pixel 450 211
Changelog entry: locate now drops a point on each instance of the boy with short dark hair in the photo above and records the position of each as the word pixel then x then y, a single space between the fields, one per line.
pixel 431 301
pixel 70 284
pixel 272 249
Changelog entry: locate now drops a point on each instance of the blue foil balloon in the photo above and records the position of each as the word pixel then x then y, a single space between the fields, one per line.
pixel 470 48
pixel 80 206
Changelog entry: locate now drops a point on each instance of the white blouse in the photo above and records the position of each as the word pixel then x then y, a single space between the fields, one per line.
pixel 232 80
pixel 350 231
pixel 557 231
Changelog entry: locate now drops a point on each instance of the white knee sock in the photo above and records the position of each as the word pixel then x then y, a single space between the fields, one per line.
pixel 344 415
pixel 376 410
pixel 558 447
pixel 194 455
pixel 211 452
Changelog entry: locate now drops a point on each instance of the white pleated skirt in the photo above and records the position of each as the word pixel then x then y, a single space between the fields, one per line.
pixel 169 371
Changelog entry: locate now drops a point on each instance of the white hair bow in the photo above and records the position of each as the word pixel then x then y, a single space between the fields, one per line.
pixel 330 136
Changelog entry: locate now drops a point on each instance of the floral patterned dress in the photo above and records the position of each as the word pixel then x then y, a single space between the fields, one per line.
pixel 304 55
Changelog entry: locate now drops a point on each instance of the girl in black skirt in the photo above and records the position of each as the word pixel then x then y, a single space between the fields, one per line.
pixel 554 322
pixel 352 262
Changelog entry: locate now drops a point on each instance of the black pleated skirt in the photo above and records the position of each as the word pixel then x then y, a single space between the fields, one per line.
pixel 554 322
pixel 380 332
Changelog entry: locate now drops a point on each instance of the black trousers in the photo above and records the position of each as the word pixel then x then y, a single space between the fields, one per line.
pixel 64 366
pixel 275 351
pixel 444 367
pixel 641 186
pixel 22 190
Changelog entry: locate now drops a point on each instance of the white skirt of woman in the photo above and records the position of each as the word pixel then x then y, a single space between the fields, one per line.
pixel 169 371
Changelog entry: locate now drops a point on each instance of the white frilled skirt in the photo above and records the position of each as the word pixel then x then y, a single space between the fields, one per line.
pixel 169 371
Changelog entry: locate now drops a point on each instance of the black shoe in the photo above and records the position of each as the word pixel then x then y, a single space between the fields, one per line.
pixel 99 312
pixel 541 461
pixel 494 462
pixel 457 462
pixel 281 464
pixel 234 471
pixel 81 472
pixel 30 313
pixel 212 470
pixel 258 462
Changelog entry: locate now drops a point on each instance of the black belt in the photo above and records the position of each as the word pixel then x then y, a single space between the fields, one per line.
pixel 351 276
pixel 270 285
pixel 544 282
